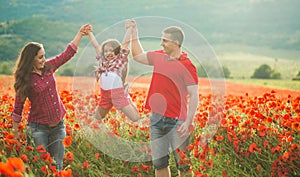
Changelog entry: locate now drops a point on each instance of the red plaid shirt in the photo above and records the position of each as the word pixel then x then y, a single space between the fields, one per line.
pixel 117 64
pixel 46 105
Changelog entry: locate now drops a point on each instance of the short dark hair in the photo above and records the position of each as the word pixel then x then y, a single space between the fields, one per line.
pixel 176 32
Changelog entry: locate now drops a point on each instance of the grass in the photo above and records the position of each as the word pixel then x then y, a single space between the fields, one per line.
pixel 280 84
pixel 243 65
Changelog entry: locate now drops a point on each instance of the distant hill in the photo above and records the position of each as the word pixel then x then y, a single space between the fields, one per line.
pixel 272 23
pixel 266 28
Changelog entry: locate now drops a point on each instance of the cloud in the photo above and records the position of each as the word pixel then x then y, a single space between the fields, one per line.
pixel 260 1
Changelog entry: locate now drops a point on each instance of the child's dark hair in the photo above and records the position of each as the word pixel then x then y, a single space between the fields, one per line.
pixel 115 44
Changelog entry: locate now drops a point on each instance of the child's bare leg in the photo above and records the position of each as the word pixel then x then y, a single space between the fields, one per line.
pixel 131 112
pixel 100 112
pixel 133 105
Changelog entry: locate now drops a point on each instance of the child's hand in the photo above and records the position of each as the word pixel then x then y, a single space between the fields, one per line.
pixel 89 28
pixel 86 29
pixel 129 24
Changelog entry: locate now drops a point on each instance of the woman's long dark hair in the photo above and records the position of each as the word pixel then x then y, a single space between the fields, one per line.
pixel 23 68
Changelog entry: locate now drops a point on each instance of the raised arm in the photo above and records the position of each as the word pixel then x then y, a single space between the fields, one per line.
pixel 94 42
pixel 82 32
pixel 127 36
pixel 136 48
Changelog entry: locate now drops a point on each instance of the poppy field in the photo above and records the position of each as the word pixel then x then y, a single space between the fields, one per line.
pixel 249 131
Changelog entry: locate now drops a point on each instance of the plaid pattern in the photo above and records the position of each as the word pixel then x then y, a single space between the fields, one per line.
pixel 46 106
pixel 117 64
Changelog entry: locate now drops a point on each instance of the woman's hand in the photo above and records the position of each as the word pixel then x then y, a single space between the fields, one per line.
pixel 85 29
pixel 15 130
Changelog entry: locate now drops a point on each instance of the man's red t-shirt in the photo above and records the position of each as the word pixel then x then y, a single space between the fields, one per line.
pixel 168 89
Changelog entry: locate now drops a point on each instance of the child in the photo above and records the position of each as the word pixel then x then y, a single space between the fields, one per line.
pixel 112 71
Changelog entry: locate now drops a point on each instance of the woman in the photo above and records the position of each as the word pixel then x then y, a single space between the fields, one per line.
pixel 34 79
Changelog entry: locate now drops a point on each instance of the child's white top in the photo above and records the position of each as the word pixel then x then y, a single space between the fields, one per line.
pixel 111 80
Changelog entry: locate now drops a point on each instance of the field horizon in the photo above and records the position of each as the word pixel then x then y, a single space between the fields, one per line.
pixel 206 86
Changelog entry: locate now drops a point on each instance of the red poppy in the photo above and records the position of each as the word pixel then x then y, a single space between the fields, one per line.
pixel 69 156
pixel 45 170
pixel 97 155
pixel 224 173
pixel 285 156
pixel 4 169
pixel 65 173
pixel 202 157
pixel 262 130
pixel 29 148
pixel 146 168
pixel 46 158
pixel 209 164
pixel 182 155
pixel 219 138
pixel 41 149
pixel 67 141
pixel 24 157
pixel 253 147
pixel 77 126
pixel 85 164
pixel 16 164
pixel 294 147
pixel 8 135
pixel 276 149
pixel 68 129
pixel 135 169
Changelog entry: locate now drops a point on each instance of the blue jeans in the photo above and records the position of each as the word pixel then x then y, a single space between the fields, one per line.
pixel 163 138
pixel 51 138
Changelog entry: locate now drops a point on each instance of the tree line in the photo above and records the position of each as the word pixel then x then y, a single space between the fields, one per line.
pixel 55 35
pixel 264 71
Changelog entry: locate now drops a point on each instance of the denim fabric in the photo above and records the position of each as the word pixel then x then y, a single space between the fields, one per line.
pixel 51 138
pixel 163 138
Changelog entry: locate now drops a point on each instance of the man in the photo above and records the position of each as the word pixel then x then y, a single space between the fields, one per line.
pixel 174 79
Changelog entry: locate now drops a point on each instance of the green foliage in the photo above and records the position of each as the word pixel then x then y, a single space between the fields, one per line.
pixel 264 71
pixel 67 71
pixel 201 71
pixel 297 77
pixel 226 71
pixel 53 35
pixel 270 83
pixel 236 28
pixel 5 68
pixel 10 46
pixel 53 23
pixel 212 71
pixel 275 75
